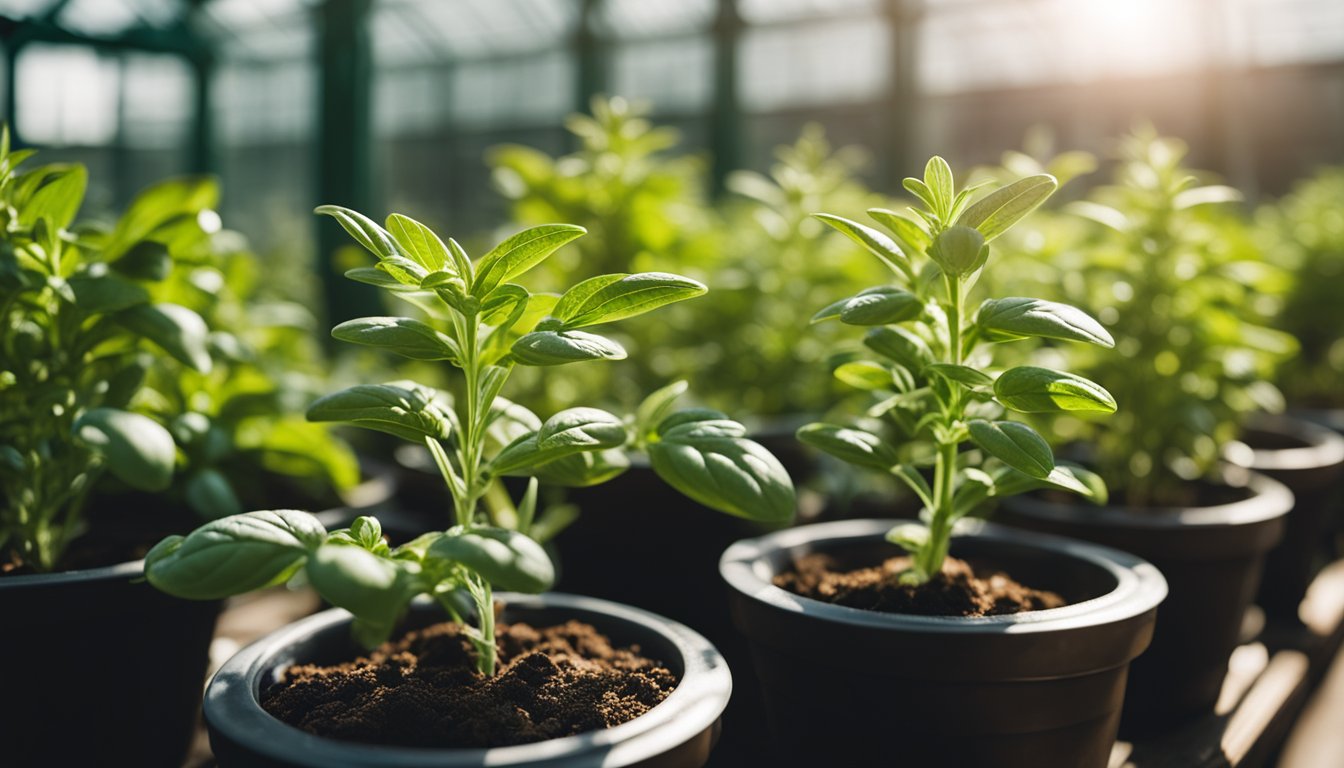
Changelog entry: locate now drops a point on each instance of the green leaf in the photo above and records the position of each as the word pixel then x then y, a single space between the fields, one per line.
pixel 851 445
pixel 146 260
pixel 873 241
pixel 163 203
pixel 137 449
pixel 407 337
pixel 210 495
pixel 106 293
pixel 920 190
pixel 703 460
pixel 879 305
pixel 1018 317
pixel 994 213
pixel 507 559
pixel 365 231
pixel 1212 194
pixel 177 330
pixel 961 374
pixel 583 428
pixel 520 253
pixel 380 278
pixel 373 588
pixel 607 298
pixel 912 238
pixel 938 179
pixel 959 250
pixel 403 409
pixel 912 537
pixel 1030 389
pixel 234 555
pixel 1015 444
pixel 900 346
pixel 864 374
pixel 58 198
pixel 419 242
pixel 582 469
pixel 559 347
pixel 657 406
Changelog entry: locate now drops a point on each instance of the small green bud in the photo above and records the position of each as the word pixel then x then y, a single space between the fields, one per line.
pixel 959 250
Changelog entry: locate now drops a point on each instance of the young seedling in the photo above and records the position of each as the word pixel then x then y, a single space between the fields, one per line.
pixel 938 390
pixel 482 323
pixel 75 307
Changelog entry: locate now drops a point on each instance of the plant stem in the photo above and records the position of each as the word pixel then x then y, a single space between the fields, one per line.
pixel 945 463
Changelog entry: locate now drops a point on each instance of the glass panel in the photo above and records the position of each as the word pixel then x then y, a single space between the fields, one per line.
pixel 648 18
pixel 66 95
pixel 671 74
pixel 158 94
pixel 817 63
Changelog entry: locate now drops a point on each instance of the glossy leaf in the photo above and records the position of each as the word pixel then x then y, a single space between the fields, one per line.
pixel 177 330
pixel 375 589
pixel 705 462
pixel 584 428
pixel 402 409
pixel 379 278
pixel 874 306
pixel 854 446
pixel 1039 390
pixel 994 213
pixel 1018 317
pixel 520 253
pixel 1015 444
pixel 137 449
pixel 364 230
pixel 560 347
pixel 402 335
pixel 608 298
pixel 234 555
pixel 938 180
pixel 419 242
pixel 901 346
pixel 507 559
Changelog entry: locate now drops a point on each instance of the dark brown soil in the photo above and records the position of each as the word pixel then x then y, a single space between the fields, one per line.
pixel 957 591
pixel 424 691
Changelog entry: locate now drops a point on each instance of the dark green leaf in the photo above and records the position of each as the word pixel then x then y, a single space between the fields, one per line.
pixel 177 330
pixel 582 469
pixel 854 446
pixel 379 278
pixel 146 260
pixel 1038 390
pixel 584 428
pixel 211 496
pixel 407 337
pixel 961 374
pixel 373 588
pixel 234 555
pixel 1017 317
pixel 559 347
pixel 1015 444
pixel 106 293
pixel 730 474
pixel 874 306
pixel 401 408
pixel 507 559
pixel 137 449
pixel 901 346
pixel 994 213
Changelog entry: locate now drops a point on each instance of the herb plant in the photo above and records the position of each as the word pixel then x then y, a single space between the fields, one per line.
pixel 76 312
pixel 934 376
pixel 484 325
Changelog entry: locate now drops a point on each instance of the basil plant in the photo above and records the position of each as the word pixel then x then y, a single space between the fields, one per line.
pixel 933 376
pixel 79 330
pixel 481 322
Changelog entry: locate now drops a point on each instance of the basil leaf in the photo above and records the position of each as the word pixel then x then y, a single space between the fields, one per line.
pixel 507 559
pixel 1018 317
pixel 411 412
pixel 373 588
pixel 727 473
pixel 106 293
pixel 402 335
pixel 854 446
pixel 581 428
pixel 560 347
pixel 961 374
pixel 520 253
pixel 900 346
pixel 418 241
pixel 608 298
pixel 876 243
pixel 1015 444
pixel 137 449
pixel 367 233
pixel 1030 389
pixel 177 330
pixel 994 213
pixel 234 555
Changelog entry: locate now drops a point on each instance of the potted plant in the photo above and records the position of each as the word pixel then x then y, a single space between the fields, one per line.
pixel 940 656
pixel 1191 360
pixel 484 325
pixel 91 648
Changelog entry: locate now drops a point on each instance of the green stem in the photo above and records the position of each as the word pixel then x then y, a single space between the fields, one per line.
pixel 945 463
pixel 483 596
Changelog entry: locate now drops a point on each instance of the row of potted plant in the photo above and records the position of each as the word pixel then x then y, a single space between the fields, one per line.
pixel 1015 646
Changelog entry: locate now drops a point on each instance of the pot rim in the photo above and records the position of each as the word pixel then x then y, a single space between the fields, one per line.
pixel 1139 586
pixel 1269 500
pixel 1324 447
pixel 131 569
pixel 232 707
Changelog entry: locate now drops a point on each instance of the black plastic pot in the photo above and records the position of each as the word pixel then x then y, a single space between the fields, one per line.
pixel 99 669
pixel 1309 459
pixel 1211 557
pixel 844 686
pixel 680 731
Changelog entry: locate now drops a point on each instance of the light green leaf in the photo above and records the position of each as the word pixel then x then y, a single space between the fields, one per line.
pixel 1015 444
pixel 876 243
pixel 1038 390
pixel 1212 194
pixel 375 589
pixel 177 330
pixel 938 179
pixel 419 242
pixel 137 449
pixel 380 278
pixel 507 559
pixel 959 250
pixel 520 253
pixel 603 299
pixel 657 406
pixel 58 198
pixel 234 555
pixel 911 237
pixel 403 335
pixel 1018 317
pixel 583 428
pixel 864 374
pixel 994 213
pixel 582 469
pixel 559 347
pixel 912 537
pixel 365 231
pixel 727 473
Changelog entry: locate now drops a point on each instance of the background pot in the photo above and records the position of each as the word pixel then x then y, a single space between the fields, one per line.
pixel 99 669
pixel 1309 459
pixel 844 686
pixel 1211 557
pixel 680 731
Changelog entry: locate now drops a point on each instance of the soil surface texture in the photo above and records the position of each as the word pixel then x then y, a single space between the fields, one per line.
pixel 424 691
pixel 959 590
